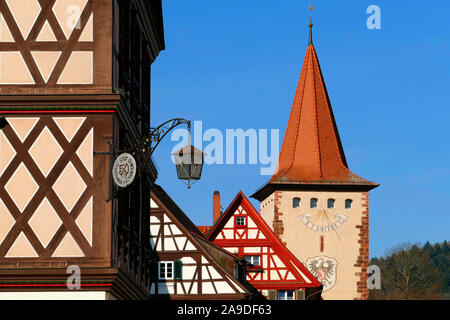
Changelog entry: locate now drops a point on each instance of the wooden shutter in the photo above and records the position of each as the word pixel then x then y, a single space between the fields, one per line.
pixel 272 294
pixel 300 295
pixel 178 266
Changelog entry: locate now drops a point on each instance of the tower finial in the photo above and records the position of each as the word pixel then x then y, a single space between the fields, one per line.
pixel 311 9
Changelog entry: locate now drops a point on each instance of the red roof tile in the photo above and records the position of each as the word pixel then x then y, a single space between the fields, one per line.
pixel 312 152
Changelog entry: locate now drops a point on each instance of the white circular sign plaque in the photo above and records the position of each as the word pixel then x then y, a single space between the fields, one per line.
pixel 124 170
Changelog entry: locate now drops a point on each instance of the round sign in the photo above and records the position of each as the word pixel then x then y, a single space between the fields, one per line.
pixel 124 170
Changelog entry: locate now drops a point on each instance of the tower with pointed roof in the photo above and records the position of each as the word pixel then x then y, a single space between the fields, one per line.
pixel 316 206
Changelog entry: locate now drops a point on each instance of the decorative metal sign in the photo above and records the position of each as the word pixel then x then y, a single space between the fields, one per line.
pixel 124 170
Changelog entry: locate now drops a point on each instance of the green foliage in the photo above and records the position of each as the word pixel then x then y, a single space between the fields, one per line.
pixel 414 272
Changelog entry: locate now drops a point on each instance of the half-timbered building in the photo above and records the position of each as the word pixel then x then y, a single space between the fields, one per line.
pixel 74 91
pixel 273 269
pixel 188 266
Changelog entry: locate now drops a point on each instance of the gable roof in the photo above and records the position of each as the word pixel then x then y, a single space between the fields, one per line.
pixel 296 267
pixel 175 210
pixel 209 250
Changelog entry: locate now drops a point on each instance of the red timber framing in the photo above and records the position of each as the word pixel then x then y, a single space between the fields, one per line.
pixel 243 232
pixel 187 265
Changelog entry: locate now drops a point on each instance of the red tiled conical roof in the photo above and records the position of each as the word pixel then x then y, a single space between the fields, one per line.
pixel 312 152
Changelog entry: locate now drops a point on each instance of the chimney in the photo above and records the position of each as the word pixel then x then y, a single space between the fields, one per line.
pixel 216 206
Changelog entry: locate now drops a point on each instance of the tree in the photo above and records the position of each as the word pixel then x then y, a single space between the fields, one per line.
pixel 440 257
pixel 445 248
pixel 408 273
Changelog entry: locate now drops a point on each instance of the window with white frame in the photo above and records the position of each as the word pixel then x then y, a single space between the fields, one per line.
pixel 240 221
pixel 165 270
pixel 313 203
pixel 285 295
pixel 254 260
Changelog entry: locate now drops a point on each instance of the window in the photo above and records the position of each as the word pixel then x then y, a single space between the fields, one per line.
pixel 254 260
pixel 348 203
pixel 285 295
pixel 330 203
pixel 169 270
pixel 165 270
pixel 296 203
pixel 313 203
pixel 240 221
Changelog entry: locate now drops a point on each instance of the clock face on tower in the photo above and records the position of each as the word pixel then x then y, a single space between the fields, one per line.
pixel 323 221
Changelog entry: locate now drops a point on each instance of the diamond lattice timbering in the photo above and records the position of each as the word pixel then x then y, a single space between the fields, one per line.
pixel 69 126
pixel 45 222
pixel 46 62
pixel 21 187
pixel 45 151
pixel 68 13
pixel 46 187
pixel 25 13
pixel 22 248
pixel 68 248
pixel 22 126
pixel 35 37
pixel 46 33
pixel 69 187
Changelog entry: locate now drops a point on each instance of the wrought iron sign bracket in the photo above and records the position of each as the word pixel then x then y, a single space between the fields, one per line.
pixel 157 134
pixel 146 146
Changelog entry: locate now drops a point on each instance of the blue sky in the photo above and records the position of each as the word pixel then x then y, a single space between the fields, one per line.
pixel 235 64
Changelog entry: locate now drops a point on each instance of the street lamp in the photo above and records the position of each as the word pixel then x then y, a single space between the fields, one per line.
pixel 189 163
pixel 188 160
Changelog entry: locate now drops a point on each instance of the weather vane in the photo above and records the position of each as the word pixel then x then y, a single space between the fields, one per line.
pixel 311 8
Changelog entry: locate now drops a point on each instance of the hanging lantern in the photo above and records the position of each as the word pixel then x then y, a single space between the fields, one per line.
pixel 189 164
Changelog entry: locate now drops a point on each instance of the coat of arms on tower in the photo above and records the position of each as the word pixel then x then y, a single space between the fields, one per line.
pixel 324 269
